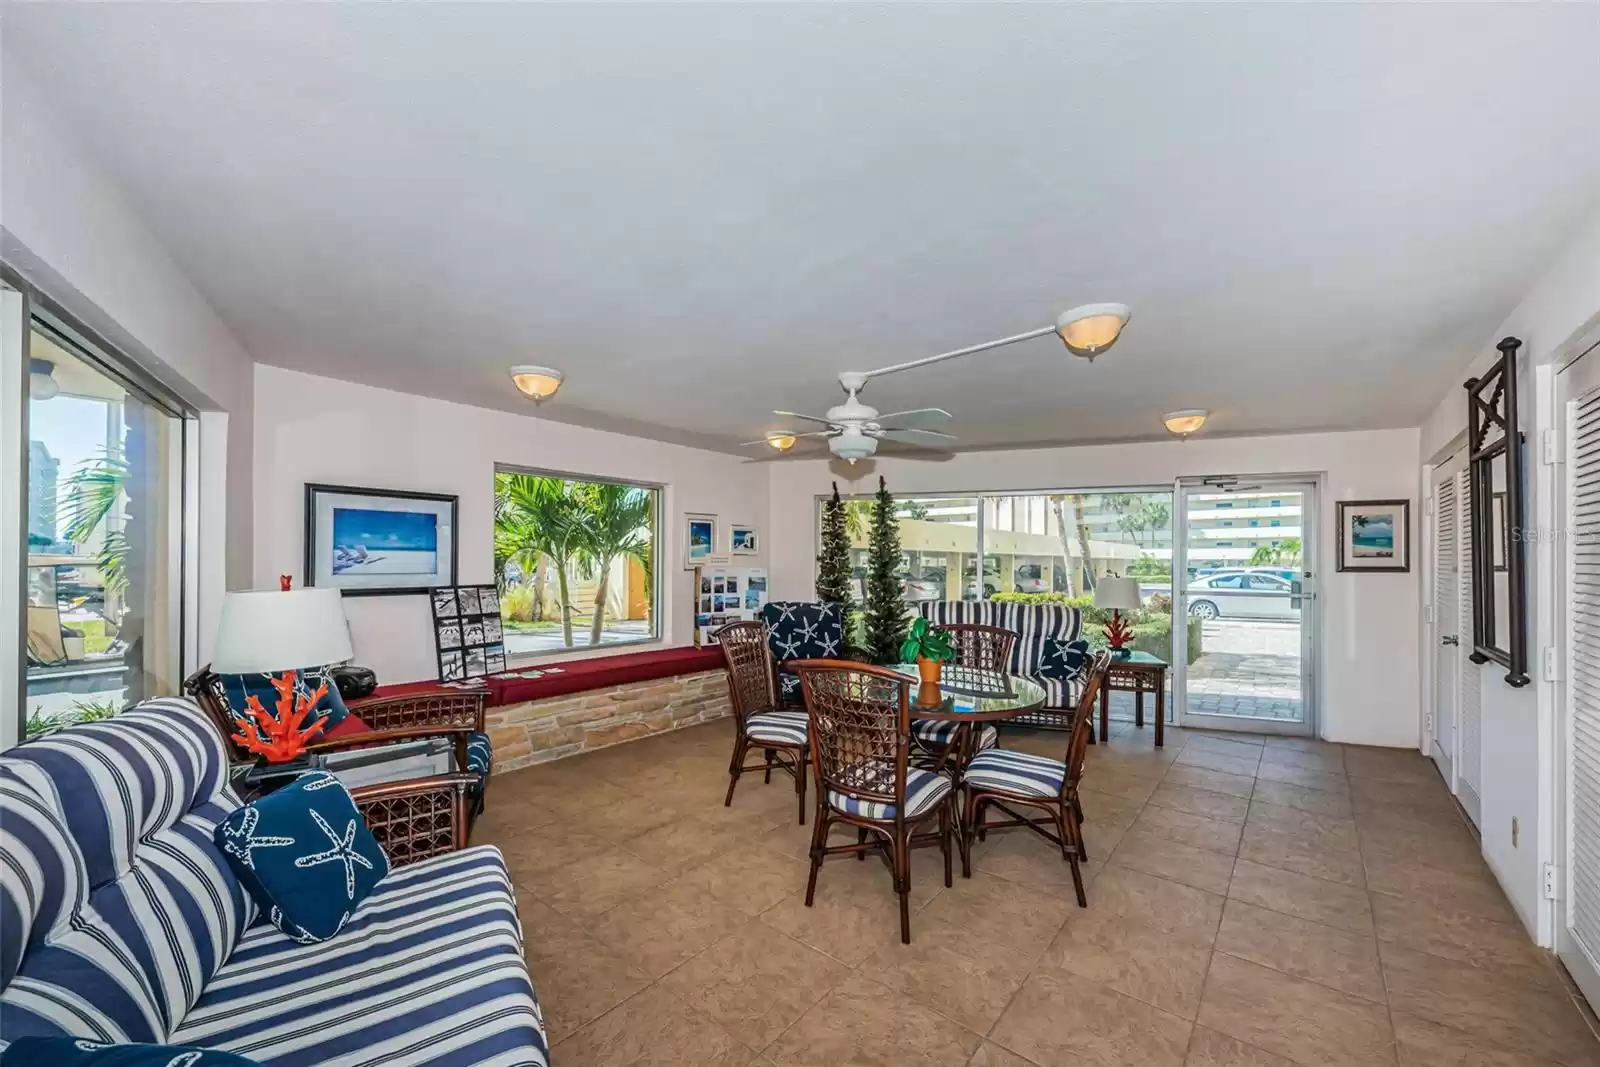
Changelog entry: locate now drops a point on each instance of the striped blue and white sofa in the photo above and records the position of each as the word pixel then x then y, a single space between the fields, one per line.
pixel 1033 624
pixel 120 921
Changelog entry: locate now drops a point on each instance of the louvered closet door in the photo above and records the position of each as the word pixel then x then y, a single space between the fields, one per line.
pixel 1469 743
pixel 1579 940
pixel 1446 631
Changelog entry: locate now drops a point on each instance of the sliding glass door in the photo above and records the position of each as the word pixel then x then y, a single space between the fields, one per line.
pixel 1244 586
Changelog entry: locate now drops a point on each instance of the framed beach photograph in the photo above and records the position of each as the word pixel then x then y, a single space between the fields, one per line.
pixel 1374 535
pixel 743 540
pixel 378 542
pixel 699 540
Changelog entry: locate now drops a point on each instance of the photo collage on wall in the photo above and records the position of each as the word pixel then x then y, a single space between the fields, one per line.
pixel 725 595
pixel 468 633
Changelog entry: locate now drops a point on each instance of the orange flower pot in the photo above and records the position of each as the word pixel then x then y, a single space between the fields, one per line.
pixel 928 673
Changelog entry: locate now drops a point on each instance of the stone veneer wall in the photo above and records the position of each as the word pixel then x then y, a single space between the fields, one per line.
pixel 538 730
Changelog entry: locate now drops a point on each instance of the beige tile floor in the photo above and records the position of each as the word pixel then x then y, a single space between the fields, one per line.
pixel 1252 902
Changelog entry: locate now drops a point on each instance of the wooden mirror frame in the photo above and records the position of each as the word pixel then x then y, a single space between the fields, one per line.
pixel 1492 404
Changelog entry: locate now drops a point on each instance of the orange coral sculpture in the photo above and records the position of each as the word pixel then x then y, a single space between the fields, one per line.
pixel 278 738
pixel 1118 633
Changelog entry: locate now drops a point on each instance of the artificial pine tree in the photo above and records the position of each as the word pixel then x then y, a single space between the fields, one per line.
pixel 886 603
pixel 833 562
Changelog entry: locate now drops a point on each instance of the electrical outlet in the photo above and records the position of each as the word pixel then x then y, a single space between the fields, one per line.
pixel 1514 831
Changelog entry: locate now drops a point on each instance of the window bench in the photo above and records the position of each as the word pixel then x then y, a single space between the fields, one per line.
pixel 593 703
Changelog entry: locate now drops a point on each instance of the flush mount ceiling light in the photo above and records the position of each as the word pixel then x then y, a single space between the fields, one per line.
pixel 1089 330
pixel 781 441
pixel 537 383
pixel 41 384
pixel 1183 423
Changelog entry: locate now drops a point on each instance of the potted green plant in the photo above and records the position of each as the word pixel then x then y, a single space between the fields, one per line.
pixel 930 649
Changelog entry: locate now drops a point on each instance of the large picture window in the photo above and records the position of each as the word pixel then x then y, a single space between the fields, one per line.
pixel 104 510
pixel 576 560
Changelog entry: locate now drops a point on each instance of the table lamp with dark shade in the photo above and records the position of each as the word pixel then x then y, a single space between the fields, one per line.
pixel 1118 594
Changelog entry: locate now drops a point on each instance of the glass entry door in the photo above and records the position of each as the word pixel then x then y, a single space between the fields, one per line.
pixel 1242 582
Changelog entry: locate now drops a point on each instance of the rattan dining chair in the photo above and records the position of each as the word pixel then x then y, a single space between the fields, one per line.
pixel 1003 779
pixel 977 648
pixel 860 720
pixel 759 723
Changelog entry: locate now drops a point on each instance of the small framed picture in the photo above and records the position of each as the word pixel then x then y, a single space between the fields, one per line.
pixel 743 540
pixel 444 603
pixel 495 656
pixel 450 635
pixel 1374 535
pixel 472 633
pixel 469 600
pixel 452 667
pixel 733 584
pixel 477 663
pixel 492 629
pixel 705 583
pixel 699 540
pixel 489 601
pixel 705 605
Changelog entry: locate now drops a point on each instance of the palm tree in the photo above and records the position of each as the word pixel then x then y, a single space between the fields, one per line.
pixel 613 521
pixel 857 514
pixel 92 492
pixel 538 518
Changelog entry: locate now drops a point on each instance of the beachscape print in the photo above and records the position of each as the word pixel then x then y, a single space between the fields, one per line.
pixel 385 542
pixel 1372 535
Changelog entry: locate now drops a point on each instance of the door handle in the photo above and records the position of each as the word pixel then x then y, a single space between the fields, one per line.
pixel 1450 640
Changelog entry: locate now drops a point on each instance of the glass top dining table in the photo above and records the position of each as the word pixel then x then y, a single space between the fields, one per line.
pixel 971 695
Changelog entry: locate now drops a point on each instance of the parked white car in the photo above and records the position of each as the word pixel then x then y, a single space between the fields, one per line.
pixel 1242 596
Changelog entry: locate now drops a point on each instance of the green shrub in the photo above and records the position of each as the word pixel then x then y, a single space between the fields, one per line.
pixel 518 603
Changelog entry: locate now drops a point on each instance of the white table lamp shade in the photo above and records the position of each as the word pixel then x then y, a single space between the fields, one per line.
pixel 273 631
pixel 1119 593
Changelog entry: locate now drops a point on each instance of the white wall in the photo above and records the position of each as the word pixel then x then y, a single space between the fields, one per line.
pixel 1520 725
pixel 311 429
pixel 67 227
pixel 1369 665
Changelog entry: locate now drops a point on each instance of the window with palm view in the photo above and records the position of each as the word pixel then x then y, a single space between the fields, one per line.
pixel 576 561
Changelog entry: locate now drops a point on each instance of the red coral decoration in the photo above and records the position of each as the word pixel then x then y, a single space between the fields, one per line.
pixel 279 739
pixel 1118 633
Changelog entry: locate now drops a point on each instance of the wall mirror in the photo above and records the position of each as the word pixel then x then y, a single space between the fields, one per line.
pixel 1499 591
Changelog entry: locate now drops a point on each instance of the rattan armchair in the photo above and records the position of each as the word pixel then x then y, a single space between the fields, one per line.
pixel 860 722
pixel 1007 780
pixel 412 818
pixel 759 723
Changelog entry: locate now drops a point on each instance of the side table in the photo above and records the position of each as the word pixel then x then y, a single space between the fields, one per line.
pixel 1138 673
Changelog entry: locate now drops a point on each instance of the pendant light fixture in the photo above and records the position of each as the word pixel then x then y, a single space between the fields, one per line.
pixel 536 383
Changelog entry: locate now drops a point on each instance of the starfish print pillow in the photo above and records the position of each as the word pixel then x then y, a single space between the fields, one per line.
pixel 305 854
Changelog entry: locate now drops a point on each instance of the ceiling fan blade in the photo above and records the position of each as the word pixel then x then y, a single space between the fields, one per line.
pixel 917 418
pixel 908 433
pixel 923 438
pixel 807 418
pixel 789 433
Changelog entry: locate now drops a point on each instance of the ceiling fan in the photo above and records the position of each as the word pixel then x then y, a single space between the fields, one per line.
pixel 854 429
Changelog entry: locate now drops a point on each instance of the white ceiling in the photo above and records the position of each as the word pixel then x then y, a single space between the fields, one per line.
pixel 704 212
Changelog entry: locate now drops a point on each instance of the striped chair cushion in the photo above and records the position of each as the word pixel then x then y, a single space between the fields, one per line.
pixel 782 727
pixel 428 971
pixel 1032 623
pixel 1017 773
pixel 934 734
pixel 924 789
pixel 116 906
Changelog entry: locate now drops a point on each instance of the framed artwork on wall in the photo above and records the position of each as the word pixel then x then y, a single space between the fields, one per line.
pixel 1375 535
pixel 699 540
pixel 379 542
pixel 743 540
pixel 468 632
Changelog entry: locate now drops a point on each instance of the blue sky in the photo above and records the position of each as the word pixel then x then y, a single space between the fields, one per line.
pixel 402 531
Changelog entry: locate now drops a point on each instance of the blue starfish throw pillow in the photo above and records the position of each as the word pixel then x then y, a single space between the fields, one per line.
pixel 1064 660
pixel 77 1052
pixel 305 854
